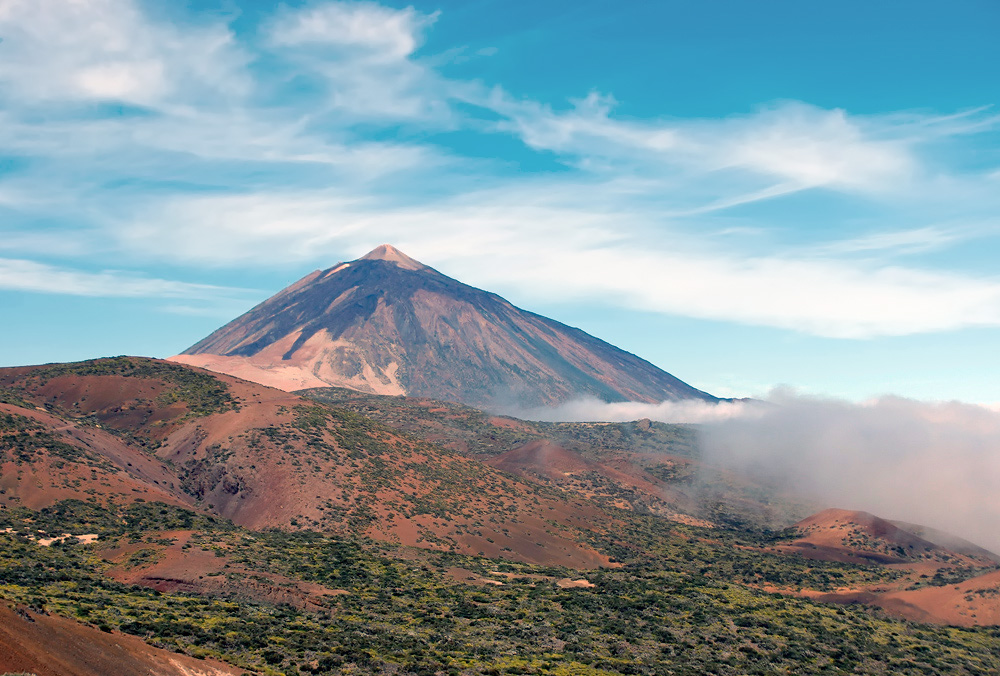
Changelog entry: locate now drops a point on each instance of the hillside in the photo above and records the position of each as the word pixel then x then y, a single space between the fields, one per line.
pixel 48 645
pixel 388 324
pixel 684 601
pixel 643 466
pixel 933 583
pixel 264 458
pixel 217 518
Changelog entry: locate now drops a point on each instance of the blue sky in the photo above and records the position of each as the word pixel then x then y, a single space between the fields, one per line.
pixel 746 194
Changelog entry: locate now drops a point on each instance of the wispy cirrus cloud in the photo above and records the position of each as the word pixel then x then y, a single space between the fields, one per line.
pixel 576 251
pixel 905 242
pixel 816 148
pixel 360 57
pixel 181 144
pixel 798 145
pixel 31 276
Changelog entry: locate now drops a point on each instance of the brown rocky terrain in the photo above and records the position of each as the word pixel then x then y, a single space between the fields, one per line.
pixel 957 585
pixel 388 324
pixel 177 561
pixel 65 460
pixel 842 535
pixel 48 645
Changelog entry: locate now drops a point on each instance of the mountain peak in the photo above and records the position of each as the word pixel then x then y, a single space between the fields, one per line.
pixel 388 324
pixel 387 252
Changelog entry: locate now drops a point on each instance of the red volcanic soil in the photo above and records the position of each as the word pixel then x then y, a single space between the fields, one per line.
pixel 850 536
pixel 99 463
pixel 544 458
pixel 819 526
pixel 266 458
pixel 47 645
pixel 859 537
pixel 972 602
pixel 975 601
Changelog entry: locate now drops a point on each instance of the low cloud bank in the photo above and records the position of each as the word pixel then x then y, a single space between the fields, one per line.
pixel 937 464
pixel 595 410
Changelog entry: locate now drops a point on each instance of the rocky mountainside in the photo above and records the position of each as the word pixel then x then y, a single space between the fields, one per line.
pixel 388 324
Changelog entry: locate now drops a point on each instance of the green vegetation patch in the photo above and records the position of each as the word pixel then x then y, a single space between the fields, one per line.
pixel 79 516
pixel 459 425
pixel 22 438
pixel 203 394
pixel 13 398
pixel 408 612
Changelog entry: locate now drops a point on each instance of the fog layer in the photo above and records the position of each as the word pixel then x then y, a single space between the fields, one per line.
pixel 936 464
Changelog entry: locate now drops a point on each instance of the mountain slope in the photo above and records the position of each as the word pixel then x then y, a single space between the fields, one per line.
pixel 931 582
pixel 48 645
pixel 844 535
pixel 129 429
pixel 117 434
pixel 388 324
pixel 648 467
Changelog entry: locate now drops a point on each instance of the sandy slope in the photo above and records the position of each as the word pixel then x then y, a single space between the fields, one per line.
pixel 48 645
pixel 859 537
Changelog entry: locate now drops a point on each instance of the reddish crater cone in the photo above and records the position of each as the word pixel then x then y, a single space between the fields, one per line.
pixel 388 324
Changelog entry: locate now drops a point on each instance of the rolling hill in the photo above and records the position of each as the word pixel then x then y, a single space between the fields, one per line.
pixel 127 428
pixel 345 532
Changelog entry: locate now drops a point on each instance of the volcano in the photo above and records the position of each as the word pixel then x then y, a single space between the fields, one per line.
pixel 388 324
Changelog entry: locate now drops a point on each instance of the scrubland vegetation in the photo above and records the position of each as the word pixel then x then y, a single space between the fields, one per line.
pixel 684 602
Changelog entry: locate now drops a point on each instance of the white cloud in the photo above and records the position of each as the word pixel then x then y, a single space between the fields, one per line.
pixel 123 81
pixel 234 229
pixel 377 32
pixel 800 146
pixel 586 130
pixel 898 242
pixel 824 297
pixel 364 54
pixel 678 412
pixel 264 228
pixel 108 50
pixel 558 245
pixel 226 172
pixel 814 148
pixel 168 147
pixel 32 276
pixel 933 463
